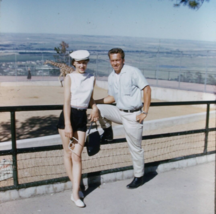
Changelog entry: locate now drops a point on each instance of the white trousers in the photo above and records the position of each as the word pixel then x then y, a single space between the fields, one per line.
pixel 133 132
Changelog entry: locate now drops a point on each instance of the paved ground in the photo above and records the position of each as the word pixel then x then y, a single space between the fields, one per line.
pixel 190 191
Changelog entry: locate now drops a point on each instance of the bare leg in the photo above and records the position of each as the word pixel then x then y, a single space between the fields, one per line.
pixel 77 163
pixel 67 154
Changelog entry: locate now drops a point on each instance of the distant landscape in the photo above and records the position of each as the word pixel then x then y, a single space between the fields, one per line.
pixel 183 60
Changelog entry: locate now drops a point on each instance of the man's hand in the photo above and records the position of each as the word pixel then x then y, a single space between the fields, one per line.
pixel 94 115
pixel 141 117
pixel 68 131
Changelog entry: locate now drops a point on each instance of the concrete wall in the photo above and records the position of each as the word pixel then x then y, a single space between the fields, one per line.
pixel 168 94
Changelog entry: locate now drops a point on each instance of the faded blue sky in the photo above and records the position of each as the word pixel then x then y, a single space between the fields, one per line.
pixel 136 18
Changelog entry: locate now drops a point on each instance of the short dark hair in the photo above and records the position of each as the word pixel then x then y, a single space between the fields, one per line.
pixel 115 51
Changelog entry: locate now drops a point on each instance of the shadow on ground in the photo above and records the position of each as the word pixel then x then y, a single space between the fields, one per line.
pixel 30 128
pixel 149 176
pixel 94 181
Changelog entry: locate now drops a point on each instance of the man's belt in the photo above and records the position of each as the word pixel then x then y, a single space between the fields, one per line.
pixel 130 111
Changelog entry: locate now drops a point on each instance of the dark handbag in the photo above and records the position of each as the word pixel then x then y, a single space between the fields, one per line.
pixel 93 142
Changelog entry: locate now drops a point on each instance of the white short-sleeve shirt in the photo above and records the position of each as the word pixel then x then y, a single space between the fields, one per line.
pixel 128 91
pixel 81 89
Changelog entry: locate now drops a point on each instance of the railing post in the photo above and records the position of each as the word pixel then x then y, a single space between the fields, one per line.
pixel 15 65
pixel 206 71
pixel 156 73
pixel 206 128
pixel 96 66
pixel 180 71
pixel 14 149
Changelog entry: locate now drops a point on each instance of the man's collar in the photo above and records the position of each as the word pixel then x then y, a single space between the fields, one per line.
pixel 122 70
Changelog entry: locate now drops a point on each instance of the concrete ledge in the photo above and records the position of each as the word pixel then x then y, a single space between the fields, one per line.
pixel 58 187
pixel 169 94
pixel 117 130
pixel 36 142
pixel 166 122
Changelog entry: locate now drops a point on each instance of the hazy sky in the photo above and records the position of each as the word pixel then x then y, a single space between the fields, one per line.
pixel 136 18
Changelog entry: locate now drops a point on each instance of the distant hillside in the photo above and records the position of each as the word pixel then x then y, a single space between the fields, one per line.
pixel 47 42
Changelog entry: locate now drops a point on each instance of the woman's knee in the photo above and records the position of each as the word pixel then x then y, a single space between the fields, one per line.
pixel 67 154
pixel 76 158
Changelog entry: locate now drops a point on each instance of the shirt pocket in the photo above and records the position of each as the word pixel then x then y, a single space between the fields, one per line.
pixel 126 86
pixel 110 90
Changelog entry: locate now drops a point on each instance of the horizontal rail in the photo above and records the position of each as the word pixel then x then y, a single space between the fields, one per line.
pixel 119 140
pixel 31 108
pixel 183 103
pixel 103 172
pixel 60 107
pixel 32 149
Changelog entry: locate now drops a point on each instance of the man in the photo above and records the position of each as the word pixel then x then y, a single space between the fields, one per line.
pixel 126 86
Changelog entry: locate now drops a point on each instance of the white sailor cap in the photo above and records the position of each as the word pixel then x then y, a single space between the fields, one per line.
pixel 80 55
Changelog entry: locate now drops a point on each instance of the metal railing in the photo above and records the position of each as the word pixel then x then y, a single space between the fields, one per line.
pixel 15 151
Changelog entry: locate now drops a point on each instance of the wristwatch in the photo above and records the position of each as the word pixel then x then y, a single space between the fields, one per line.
pixel 143 112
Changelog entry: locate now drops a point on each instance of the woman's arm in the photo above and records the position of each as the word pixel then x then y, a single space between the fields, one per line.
pixel 67 108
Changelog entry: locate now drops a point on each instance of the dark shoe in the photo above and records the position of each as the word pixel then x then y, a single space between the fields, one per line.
pixel 107 136
pixel 136 183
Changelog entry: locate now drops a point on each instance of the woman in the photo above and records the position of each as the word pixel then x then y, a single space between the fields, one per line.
pixel 78 95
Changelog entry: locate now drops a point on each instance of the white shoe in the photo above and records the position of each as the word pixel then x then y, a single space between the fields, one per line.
pixel 78 202
pixel 81 194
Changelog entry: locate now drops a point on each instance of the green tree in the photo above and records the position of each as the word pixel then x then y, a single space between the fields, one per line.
pixel 193 4
pixel 62 55
pixel 62 49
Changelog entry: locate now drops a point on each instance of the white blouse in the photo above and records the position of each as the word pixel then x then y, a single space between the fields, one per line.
pixel 81 89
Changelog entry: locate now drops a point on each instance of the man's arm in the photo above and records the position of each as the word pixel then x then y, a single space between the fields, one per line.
pixel 146 98
pixel 94 115
pixel 106 100
pixel 95 112
pixel 147 101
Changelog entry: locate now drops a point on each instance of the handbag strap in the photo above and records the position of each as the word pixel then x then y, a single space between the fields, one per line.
pixel 91 127
pixel 71 144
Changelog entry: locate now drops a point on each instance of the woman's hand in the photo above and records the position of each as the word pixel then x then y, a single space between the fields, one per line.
pixel 68 131
pixel 94 115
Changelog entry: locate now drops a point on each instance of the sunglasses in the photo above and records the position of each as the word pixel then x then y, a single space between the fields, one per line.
pixel 71 145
